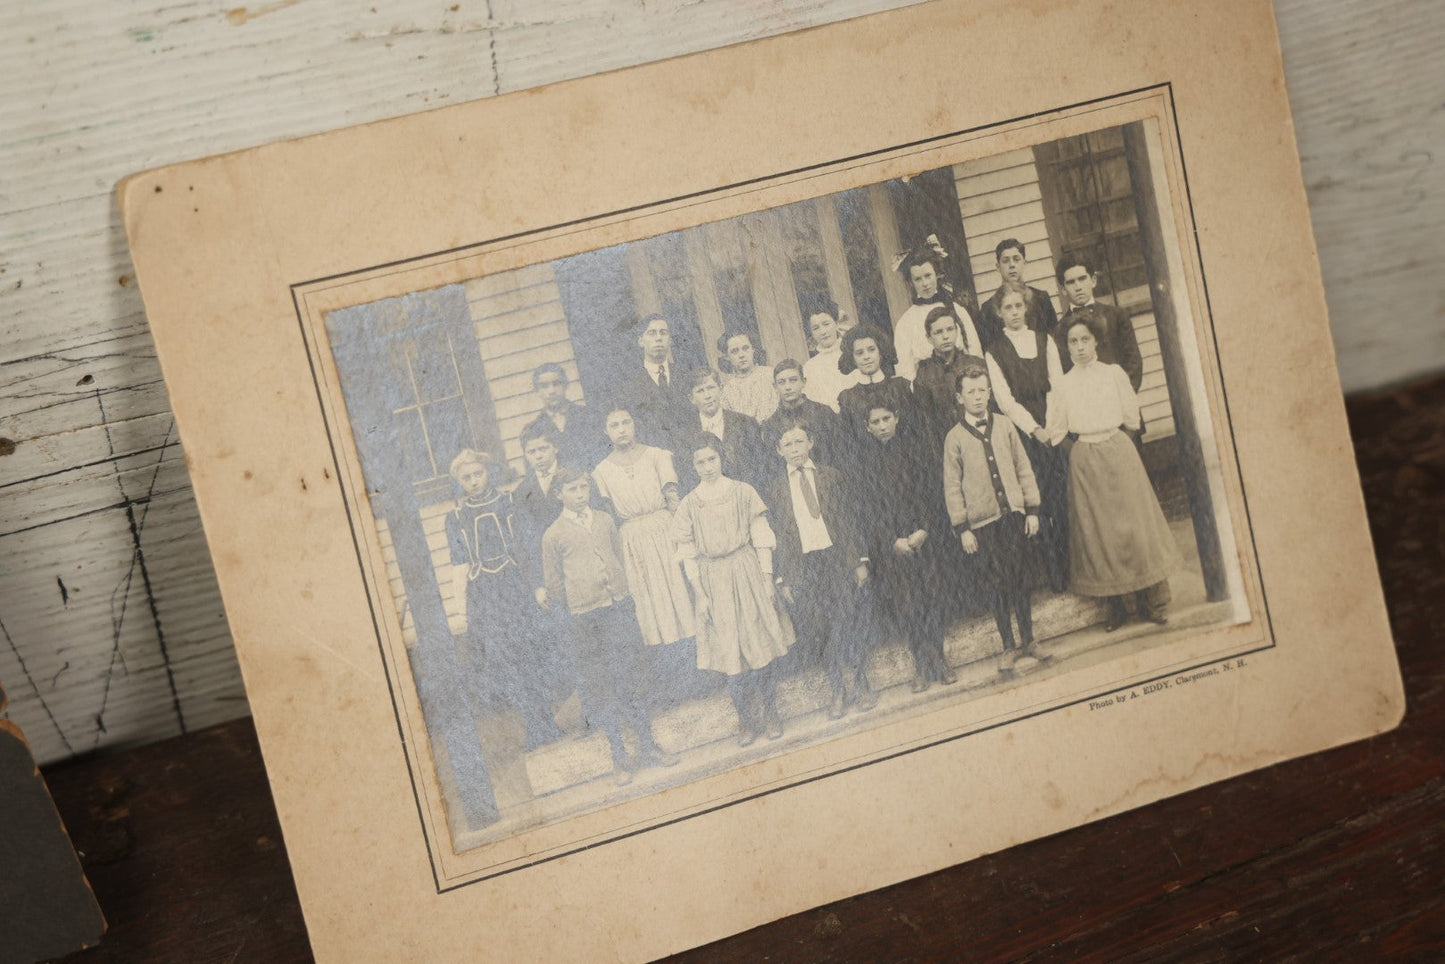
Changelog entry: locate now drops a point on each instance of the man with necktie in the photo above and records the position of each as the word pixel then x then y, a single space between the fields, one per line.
pixel 820 568
pixel 655 394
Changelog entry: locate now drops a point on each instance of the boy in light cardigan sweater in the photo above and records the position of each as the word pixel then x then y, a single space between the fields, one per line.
pixel 582 567
pixel 993 503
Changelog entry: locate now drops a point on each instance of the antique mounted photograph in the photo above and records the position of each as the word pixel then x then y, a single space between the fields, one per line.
pixel 657 512
pixel 695 494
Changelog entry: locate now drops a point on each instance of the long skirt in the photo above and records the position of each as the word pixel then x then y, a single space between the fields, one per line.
pixel 1119 541
pixel 659 589
pixel 745 628
pixel 515 664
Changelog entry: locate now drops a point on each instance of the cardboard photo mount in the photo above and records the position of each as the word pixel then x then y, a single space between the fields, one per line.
pixel 238 255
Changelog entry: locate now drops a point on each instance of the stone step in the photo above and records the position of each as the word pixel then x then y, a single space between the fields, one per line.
pixel 697 723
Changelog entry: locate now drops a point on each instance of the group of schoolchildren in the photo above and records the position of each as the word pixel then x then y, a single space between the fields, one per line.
pixel 768 519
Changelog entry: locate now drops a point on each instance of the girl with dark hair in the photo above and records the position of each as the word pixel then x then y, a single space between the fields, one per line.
pixel 749 388
pixel 824 378
pixel 1119 540
pixel 639 482
pixel 869 352
pixel 726 547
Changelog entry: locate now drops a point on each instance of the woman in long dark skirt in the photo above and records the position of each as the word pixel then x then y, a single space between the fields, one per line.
pixel 1119 541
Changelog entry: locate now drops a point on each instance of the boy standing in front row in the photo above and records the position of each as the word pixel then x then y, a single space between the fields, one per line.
pixel 820 569
pixel 993 503
pixel 582 564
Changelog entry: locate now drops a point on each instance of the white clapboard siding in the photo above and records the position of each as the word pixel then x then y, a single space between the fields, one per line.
pixel 511 350
pixel 998 198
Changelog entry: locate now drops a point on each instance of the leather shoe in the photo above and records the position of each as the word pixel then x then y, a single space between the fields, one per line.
pixel 1115 619
pixel 747 736
pixel 658 757
pixel 949 677
pixel 864 699
pixel 774 727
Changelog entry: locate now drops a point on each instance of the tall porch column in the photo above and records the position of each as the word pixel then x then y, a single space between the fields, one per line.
pixel 1191 452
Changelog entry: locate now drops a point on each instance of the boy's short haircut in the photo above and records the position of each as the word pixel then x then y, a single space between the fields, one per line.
pixel 644 322
pixel 699 375
pixel 1007 243
pixel 549 368
pixel 787 364
pixel 470 457
pixel 570 473
pixel 884 405
pixel 1072 261
pixel 793 423
pixel 541 428
pixel 942 311
pixel 971 368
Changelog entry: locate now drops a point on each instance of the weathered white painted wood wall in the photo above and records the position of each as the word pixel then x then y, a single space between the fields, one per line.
pixel 111 629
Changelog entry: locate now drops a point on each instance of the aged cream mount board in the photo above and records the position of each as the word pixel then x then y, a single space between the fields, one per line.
pixel 346 319
pixel 236 237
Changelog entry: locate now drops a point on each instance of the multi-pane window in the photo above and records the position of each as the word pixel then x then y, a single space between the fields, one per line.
pixel 410 386
pixel 432 420
pixel 1089 207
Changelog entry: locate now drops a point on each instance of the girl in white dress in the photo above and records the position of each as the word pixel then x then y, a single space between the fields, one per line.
pixel 726 548
pixel 641 485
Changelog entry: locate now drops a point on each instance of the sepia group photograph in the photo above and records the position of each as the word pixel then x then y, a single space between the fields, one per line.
pixel 655 512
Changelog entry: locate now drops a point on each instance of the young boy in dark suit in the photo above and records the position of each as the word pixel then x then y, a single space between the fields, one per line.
pixel 820 567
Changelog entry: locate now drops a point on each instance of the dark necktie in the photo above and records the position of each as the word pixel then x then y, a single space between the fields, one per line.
pixel 809 496
pixel 662 377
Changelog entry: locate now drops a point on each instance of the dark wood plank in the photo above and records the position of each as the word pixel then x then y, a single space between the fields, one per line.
pixel 182 846
pixel 1337 856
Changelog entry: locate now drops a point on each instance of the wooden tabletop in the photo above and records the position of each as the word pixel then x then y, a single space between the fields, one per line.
pixel 1337 856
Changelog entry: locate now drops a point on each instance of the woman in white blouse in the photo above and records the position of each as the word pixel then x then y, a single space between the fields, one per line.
pixel 1119 541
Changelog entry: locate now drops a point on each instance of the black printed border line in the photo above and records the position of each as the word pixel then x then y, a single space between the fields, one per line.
pixel 299 289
